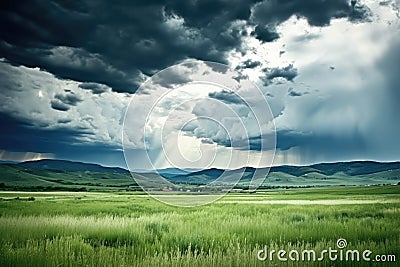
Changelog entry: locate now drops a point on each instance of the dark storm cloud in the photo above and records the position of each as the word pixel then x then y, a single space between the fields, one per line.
pixel 240 76
pixel 253 143
pixel 216 20
pixel 105 44
pixel 226 97
pixel 207 141
pixel 270 13
pixel 114 43
pixel 265 34
pixel 287 139
pixel 61 38
pixel 209 11
pixel 73 63
pixel 288 73
pixel 292 92
pixel 249 64
pixel 20 136
pixel 94 87
pixel 330 146
pixel 119 43
pixel 171 77
pixel 359 12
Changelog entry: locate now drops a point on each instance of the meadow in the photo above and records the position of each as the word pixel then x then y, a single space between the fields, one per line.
pixel 132 229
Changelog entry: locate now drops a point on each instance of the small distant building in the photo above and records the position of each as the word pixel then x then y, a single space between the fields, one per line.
pixel 236 190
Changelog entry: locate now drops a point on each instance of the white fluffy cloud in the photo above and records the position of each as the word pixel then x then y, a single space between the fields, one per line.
pixel 32 95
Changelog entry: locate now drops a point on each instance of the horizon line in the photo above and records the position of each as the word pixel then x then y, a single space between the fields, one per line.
pixel 199 169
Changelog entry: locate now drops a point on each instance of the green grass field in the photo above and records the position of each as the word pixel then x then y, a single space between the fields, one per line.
pixel 132 229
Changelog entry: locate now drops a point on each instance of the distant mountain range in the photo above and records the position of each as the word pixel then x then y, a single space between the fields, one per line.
pixel 66 175
pixel 338 173
pixel 349 168
pixel 72 166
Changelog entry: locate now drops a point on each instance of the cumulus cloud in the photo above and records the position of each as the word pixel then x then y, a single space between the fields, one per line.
pixel 63 101
pixel 94 87
pixel 345 116
pixel 265 34
pixel 124 44
pixel 36 125
pixel 129 42
pixel 68 98
pixel 271 13
pixel 288 73
pixel 169 78
pixel 248 64
pixel 58 105
pixel 228 97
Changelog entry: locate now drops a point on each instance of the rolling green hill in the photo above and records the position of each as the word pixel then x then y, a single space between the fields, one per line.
pixel 66 165
pixel 324 174
pixel 21 177
pixel 50 175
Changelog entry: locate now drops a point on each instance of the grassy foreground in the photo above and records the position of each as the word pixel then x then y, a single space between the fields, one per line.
pixel 121 229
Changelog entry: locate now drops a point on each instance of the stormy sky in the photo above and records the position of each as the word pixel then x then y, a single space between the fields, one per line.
pixel 328 68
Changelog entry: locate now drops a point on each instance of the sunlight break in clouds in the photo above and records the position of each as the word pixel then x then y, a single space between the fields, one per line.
pixel 23 156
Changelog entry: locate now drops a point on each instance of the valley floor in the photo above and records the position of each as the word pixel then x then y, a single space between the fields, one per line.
pixel 132 229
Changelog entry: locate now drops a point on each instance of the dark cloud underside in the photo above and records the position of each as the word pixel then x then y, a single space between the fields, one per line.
pixel 268 14
pixel 249 64
pixel 288 73
pixel 118 43
pixel 226 97
pixel 113 46
pixel 94 87
pixel 113 43
pixel 58 105
pixel 20 136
